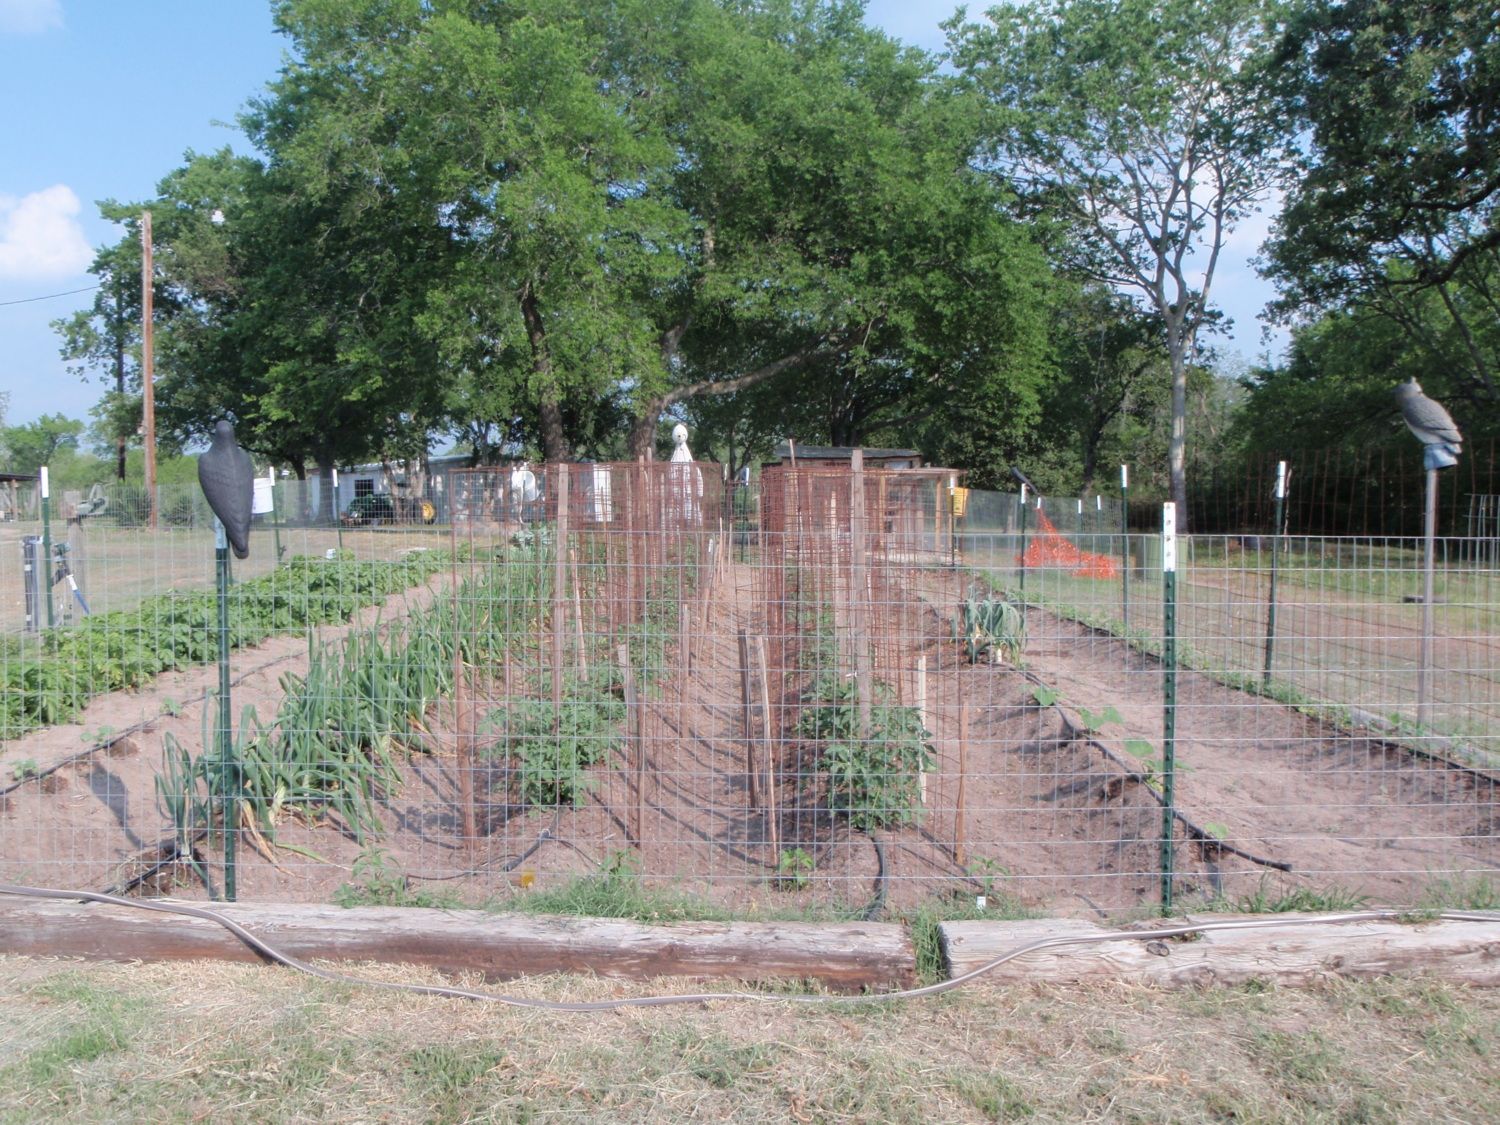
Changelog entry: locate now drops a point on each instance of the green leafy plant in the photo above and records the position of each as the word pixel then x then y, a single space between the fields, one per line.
pixel 125 649
pixel 795 868
pixel 1145 753
pixel 873 780
pixel 1094 721
pixel 993 626
pixel 554 748
pixel 23 769
pixel 1045 696
pixel 379 882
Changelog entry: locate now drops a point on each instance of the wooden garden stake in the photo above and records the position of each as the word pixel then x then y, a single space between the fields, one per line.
pixel 633 736
pixel 922 718
pixel 770 754
pixel 958 802
pixel 858 592
pixel 748 713
pixel 583 656
pixel 559 594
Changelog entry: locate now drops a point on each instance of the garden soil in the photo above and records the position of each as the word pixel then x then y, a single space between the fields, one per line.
pixel 1054 816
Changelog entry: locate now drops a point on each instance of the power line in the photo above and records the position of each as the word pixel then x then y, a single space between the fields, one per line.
pixel 49 296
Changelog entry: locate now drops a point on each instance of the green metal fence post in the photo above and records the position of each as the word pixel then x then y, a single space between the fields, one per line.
pixel 1276 531
pixel 44 576
pixel 1169 697
pixel 275 515
pixel 1124 551
pixel 229 767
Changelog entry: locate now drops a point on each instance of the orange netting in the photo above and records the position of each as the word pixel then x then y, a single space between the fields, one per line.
pixel 1051 549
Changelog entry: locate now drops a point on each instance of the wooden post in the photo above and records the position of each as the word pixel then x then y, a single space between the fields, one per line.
pixel 684 605
pixel 559 593
pixel 464 745
pixel 583 655
pixel 921 702
pixel 148 392
pixel 958 802
pixel 772 824
pixel 637 759
pixel 858 593
pixel 748 713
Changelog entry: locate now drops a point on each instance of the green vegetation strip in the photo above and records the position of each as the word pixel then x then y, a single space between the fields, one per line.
pixel 333 745
pixel 112 651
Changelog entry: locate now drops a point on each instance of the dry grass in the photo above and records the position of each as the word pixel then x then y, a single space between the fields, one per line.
pixel 92 1042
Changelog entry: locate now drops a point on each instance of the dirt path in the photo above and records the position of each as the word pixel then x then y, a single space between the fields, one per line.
pixel 1342 808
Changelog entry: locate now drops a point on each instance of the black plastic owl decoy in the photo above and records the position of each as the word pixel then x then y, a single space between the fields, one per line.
pixel 228 481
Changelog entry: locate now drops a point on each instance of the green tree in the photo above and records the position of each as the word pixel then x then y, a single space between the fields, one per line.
pixel 1110 366
pixel 30 446
pixel 1137 127
pixel 104 340
pixel 627 208
pixel 1393 208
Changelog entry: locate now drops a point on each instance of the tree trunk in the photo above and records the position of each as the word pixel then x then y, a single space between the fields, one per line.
pixel 328 501
pixel 1177 445
pixel 554 440
pixel 1090 458
pixel 643 429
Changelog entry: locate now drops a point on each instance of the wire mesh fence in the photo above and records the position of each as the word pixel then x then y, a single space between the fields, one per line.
pixel 831 690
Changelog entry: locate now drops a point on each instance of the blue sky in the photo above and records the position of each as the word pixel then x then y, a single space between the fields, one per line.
pixel 103 97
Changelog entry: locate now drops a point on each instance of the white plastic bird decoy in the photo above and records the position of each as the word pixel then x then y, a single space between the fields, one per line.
pixel 1432 425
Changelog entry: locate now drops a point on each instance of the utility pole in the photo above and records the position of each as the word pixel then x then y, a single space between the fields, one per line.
pixel 148 396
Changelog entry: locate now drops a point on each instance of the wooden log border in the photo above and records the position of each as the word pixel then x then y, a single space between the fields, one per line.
pixel 845 957
pixel 1298 954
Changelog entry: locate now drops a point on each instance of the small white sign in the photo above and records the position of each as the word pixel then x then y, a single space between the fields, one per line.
pixel 262 501
pixel 1280 480
pixel 1169 538
pixel 1124 476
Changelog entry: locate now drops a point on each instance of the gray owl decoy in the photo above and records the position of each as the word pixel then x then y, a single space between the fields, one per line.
pixel 1431 424
pixel 228 481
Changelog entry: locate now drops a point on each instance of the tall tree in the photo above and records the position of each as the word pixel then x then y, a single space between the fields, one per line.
pixel 1108 351
pixel 1136 124
pixel 104 340
pixel 1394 205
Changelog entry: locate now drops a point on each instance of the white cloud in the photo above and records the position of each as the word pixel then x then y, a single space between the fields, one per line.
pixel 40 236
pixel 30 17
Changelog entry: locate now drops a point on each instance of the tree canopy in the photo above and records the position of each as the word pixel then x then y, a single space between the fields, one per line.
pixel 1135 126
pixel 555 229
pixel 1393 209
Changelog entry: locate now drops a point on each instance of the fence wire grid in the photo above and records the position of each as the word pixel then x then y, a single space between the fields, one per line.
pixel 833 691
